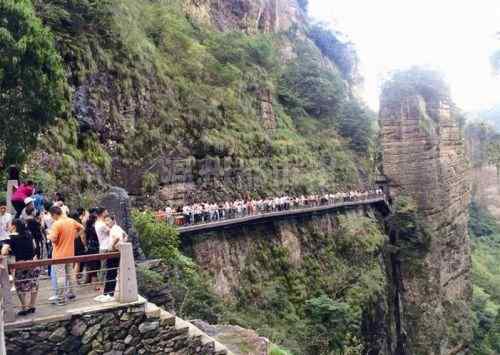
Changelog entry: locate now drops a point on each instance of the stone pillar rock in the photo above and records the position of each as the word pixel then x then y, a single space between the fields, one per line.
pixel 117 202
pixel 424 158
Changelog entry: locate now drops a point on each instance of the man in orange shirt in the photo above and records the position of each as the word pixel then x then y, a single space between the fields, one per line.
pixel 62 235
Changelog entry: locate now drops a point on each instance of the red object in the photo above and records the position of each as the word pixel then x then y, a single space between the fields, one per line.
pixel 22 192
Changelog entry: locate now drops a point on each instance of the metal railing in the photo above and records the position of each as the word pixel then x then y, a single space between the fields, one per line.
pixel 126 282
pixel 225 214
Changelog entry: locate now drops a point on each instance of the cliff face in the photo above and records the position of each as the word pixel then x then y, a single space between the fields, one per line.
pixel 194 99
pixel 272 271
pixel 271 16
pixel 423 157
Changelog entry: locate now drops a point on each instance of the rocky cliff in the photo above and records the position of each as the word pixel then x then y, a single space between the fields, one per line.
pixel 423 157
pixel 183 100
pixel 271 273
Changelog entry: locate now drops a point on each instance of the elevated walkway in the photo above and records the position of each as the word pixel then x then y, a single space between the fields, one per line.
pixel 264 217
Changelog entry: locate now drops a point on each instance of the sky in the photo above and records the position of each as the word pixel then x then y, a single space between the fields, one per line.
pixel 454 36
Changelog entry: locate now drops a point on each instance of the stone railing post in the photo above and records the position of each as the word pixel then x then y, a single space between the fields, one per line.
pixel 2 332
pixel 128 278
pixel 10 186
pixel 7 303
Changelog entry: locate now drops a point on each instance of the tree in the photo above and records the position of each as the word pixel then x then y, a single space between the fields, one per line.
pixel 342 53
pixel 330 323
pixel 32 82
pixel 357 122
pixel 494 153
pixel 306 87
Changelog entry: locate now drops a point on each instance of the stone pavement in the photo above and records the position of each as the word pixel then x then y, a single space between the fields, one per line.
pixel 44 310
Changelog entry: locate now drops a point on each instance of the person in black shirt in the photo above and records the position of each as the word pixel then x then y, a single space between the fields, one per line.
pixel 22 246
pixel 92 248
pixel 81 216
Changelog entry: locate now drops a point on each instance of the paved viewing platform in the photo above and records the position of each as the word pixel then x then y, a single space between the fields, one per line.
pixel 82 304
pixel 262 217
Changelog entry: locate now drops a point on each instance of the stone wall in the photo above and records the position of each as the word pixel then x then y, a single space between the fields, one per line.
pixel 127 330
pixel 424 158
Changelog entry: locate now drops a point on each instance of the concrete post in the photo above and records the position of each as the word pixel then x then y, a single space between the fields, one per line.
pixel 7 303
pixel 10 185
pixel 3 351
pixel 127 279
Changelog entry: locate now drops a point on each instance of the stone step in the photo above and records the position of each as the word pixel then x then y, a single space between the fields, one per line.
pixel 193 332
pixel 152 311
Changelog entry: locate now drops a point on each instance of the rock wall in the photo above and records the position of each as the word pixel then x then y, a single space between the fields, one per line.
pixel 301 257
pixel 423 157
pixel 250 16
pixel 142 329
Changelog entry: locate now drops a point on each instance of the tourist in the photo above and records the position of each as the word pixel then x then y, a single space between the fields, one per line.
pixel 21 193
pixel 20 245
pixel 92 267
pixel 34 224
pixel 102 232
pixel 28 210
pixel 39 201
pixel 116 235
pixel 81 216
pixel 62 235
pixel 5 221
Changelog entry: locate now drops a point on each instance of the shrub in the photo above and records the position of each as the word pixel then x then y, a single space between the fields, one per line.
pixel 32 80
pixel 276 350
pixel 306 87
pixel 158 240
pixel 342 53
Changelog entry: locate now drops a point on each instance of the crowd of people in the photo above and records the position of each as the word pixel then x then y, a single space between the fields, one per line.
pixel 206 212
pixel 42 228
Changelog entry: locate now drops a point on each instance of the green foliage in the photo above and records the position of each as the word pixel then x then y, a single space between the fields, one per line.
pixel 276 350
pixel 428 83
pixel 339 276
pixel 331 324
pixel 158 240
pixel 358 123
pixel 493 152
pixel 32 80
pixel 479 135
pixel 486 280
pixel 307 87
pixel 149 280
pixel 342 53
pixel 204 101
pixel 481 222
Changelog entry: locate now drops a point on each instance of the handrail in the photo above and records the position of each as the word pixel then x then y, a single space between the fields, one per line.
pixel 31 264
pixel 126 291
pixel 192 227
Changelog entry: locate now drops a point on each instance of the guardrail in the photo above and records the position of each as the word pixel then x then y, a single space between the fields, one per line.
pixel 126 281
pixel 301 209
pixel 223 214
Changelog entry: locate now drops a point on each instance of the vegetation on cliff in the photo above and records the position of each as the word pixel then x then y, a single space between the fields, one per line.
pixel 485 234
pixel 149 84
pixel 315 308
pixel 32 83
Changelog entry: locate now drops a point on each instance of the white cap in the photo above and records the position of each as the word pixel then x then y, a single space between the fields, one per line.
pixel 28 200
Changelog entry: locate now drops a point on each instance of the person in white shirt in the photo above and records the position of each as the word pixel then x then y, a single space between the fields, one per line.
pixel 116 236
pixel 5 222
pixel 102 230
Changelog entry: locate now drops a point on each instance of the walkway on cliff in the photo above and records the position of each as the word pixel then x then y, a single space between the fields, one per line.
pixel 264 217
